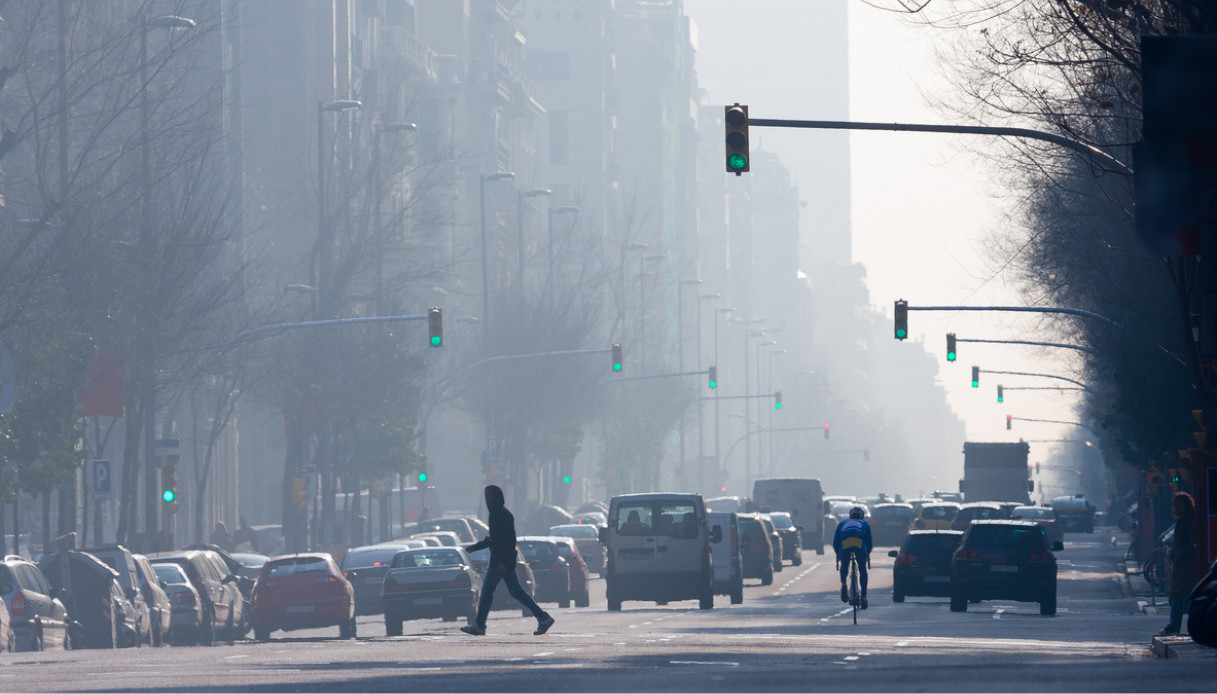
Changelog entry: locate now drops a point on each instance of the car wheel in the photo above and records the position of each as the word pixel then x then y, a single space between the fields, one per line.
pixel 346 630
pixel 614 602
pixel 797 560
pixel 1048 604
pixel 67 639
pixel 36 641
pixel 583 600
pixel 207 631
pixel 897 597
pixel 737 592
pixel 471 616
pixel 564 602
pixel 261 634
pixel 820 548
pixel 959 602
pixel 230 629
pixel 767 578
pixel 155 636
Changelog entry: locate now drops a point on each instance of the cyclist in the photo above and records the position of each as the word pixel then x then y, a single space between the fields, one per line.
pixel 853 537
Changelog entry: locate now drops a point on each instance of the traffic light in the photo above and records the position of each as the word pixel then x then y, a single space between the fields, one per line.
pixel 1009 419
pixel 616 356
pixel 975 376
pixel 866 453
pixel 1037 468
pixel 435 326
pixel 713 377
pixel 299 493
pixel 902 319
pixel 566 479
pixel 777 399
pixel 168 483
pixel 735 124
pixel 825 429
pixel 950 346
pixel 1000 397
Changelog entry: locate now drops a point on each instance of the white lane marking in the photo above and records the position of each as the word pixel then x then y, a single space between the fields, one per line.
pixel 901 644
pixel 260 671
pixel 633 626
pixel 997 613
pixel 839 614
pixel 406 669
pixel 542 654
pixel 234 657
pixel 723 663
pixel 791 582
pixel 864 653
pixel 646 624
pixel 851 657
pixel 619 644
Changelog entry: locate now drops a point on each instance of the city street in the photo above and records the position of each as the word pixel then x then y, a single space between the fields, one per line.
pixel 793 635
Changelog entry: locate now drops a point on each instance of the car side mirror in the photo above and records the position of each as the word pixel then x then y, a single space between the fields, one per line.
pixel 893 554
pixel 603 536
pixel 1058 546
pixel 716 535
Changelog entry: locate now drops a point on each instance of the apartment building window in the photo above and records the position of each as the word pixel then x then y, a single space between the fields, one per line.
pixel 559 138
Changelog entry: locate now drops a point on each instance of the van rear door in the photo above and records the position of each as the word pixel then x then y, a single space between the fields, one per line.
pixel 632 524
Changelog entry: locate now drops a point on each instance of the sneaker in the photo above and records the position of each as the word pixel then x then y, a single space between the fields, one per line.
pixel 543 625
pixel 1168 632
pixel 863 605
pixel 844 593
pixel 473 630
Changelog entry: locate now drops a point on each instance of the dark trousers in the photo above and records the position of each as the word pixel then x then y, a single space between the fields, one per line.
pixel 1178 607
pixel 862 575
pixel 509 578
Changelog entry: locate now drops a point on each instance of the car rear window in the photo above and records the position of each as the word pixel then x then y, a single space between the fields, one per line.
pixel 422 558
pixel 885 513
pixel 781 521
pixel 938 512
pixel 537 551
pixel 1006 537
pixel 933 544
pixel 299 565
pixel 574 531
pixel 978 513
pixel 1031 512
pixel 363 558
pixel 170 573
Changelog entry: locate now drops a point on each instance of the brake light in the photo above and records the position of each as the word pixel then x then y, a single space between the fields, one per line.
pixel 391 586
pixel 905 558
pixel 1041 556
pixel 461 581
pixel 18 606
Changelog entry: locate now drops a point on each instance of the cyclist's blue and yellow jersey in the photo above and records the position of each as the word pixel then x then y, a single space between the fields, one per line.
pixel 853 535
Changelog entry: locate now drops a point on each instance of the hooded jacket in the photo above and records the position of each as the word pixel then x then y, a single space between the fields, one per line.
pixel 502 537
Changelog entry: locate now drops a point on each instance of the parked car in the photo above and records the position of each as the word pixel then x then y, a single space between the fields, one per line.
pixel 1075 513
pixel 127 616
pixel 95 611
pixel 1004 560
pixel 595 518
pixel 365 569
pixel 122 560
pixel 659 549
pixel 935 516
pixel 219 592
pixel 756 548
pixel 587 539
pixel 923 564
pixel 889 523
pixel 580 577
pixel 302 591
pixel 725 555
pixel 466 532
pixel 1202 610
pixel 1046 518
pixel 251 565
pixel 775 539
pixel 35 614
pixel 427 583
pixel 503 599
pixel 792 543
pixel 160 612
pixel 549 569
pixel 978 510
pixel 445 538
pixel 186 608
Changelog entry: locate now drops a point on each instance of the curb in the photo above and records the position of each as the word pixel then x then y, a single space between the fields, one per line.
pixel 1180 647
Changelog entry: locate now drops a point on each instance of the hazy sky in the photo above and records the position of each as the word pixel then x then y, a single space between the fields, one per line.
pixel 924 211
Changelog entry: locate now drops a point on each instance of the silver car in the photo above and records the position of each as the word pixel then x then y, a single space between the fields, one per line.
pixel 428 583
pixel 37 617
pixel 186 610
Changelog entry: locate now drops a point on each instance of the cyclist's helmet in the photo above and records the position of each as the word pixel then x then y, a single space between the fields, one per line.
pixel 856 513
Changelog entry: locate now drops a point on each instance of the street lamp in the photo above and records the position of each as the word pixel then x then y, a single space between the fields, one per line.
pixel 496 176
pixel 534 193
pixel 549 249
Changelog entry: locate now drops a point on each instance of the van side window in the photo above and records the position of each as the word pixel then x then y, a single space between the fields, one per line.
pixel 677 520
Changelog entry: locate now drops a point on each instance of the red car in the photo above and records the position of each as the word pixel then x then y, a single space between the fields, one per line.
pixel 302 591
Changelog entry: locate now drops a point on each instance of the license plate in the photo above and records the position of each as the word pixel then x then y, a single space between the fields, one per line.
pixel 373 580
pixel 298 608
pixel 1003 569
pixel 936 579
pixel 428 601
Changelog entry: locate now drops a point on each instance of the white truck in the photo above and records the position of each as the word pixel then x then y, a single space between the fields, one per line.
pixel 996 472
pixel 802 498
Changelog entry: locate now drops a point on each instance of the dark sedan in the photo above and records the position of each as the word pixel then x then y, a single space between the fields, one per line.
pixel 549 569
pixel 365 568
pixel 1004 560
pixel 889 523
pixel 428 583
pixel 792 538
pixel 923 564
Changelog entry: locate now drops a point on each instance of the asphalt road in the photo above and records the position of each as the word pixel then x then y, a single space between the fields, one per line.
pixel 795 635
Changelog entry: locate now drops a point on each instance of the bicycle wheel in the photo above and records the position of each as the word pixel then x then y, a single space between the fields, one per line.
pixel 855 598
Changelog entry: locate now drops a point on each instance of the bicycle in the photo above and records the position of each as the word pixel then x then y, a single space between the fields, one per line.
pixel 855 595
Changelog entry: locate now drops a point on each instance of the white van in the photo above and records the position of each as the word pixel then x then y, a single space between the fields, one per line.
pixel 658 549
pixel 725 555
pixel 802 498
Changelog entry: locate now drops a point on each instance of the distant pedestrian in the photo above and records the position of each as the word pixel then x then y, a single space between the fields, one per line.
pixel 502 565
pixel 1183 560
pixel 220 537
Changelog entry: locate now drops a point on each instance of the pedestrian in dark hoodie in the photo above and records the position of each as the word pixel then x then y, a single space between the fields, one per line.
pixel 502 565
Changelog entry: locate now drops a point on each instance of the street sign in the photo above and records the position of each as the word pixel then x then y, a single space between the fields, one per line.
pixel 101 479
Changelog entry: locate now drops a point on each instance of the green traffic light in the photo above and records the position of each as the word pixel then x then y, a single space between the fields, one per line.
pixel 616 366
pixel 777 405
pixel 975 384
pixel 566 479
pixel 436 340
pixel 950 356
pixel 901 333
pixel 737 162
pixel 713 384
pixel 168 496
pixel 422 477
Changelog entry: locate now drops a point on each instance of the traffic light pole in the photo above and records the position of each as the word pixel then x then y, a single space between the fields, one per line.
pixel 704 372
pixel 1028 342
pixel 315 323
pixel 1027 133
pixel 1038 375
pixel 1054 421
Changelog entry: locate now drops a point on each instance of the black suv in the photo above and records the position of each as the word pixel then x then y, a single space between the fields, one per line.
pixel 1004 560
pixel 756 548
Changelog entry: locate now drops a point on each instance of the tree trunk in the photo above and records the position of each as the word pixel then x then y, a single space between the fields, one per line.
pixel 128 497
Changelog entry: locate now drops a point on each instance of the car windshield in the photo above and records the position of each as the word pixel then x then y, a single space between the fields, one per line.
pixel 296 565
pixel 537 552
pixel 170 573
pixel 371 556
pixel 423 558
pixel 574 531
pixel 1031 512
pixel 781 521
pixel 943 543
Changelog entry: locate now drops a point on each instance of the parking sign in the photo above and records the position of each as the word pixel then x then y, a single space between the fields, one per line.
pixel 101 479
